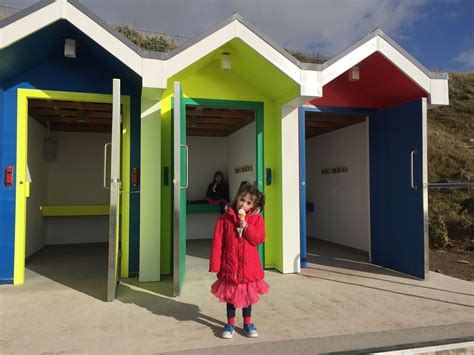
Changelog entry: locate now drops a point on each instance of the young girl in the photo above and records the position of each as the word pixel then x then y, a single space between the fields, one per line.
pixel 235 257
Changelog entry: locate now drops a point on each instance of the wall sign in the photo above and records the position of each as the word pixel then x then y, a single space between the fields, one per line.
pixel 243 169
pixel 336 170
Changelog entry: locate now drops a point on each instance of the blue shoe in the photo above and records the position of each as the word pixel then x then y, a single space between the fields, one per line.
pixel 228 331
pixel 250 330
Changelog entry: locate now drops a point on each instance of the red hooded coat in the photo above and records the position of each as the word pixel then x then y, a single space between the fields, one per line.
pixel 235 258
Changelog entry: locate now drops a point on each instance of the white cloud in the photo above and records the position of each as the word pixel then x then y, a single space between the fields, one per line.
pixel 330 26
pixel 466 59
pixel 327 26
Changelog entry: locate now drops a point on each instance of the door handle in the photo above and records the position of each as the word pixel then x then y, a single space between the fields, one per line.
pixel 187 165
pixel 412 169
pixel 166 176
pixel 105 166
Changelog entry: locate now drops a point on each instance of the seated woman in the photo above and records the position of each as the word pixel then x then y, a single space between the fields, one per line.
pixel 218 190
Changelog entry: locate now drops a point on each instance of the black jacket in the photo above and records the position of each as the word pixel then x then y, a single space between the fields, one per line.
pixel 222 191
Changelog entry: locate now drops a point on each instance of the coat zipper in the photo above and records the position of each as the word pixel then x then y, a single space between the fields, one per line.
pixel 241 259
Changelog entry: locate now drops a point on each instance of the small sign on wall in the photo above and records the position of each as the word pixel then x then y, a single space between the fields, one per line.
pixel 335 170
pixel 243 169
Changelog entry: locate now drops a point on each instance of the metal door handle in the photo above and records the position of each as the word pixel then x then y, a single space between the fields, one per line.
pixel 412 169
pixel 105 166
pixel 187 165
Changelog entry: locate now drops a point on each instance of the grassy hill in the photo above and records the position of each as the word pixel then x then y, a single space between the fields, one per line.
pixel 451 159
pixel 450 128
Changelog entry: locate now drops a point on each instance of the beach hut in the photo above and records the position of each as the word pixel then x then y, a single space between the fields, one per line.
pixel 103 142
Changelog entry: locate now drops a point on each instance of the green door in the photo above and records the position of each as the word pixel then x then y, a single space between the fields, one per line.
pixel 180 184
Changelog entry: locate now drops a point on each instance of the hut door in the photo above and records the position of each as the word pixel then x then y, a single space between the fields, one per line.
pixel 398 188
pixel 180 181
pixel 115 186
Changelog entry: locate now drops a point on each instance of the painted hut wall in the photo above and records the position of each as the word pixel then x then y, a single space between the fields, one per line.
pixel 7 194
pixel 341 200
pixel 206 156
pixel 289 248
pixel 382 84
pixel 240 152
pixel 149 197
pixel 76 178
pixel 38 167
pixel 202 167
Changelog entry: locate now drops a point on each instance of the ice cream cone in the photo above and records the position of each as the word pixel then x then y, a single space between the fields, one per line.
pixel 241 215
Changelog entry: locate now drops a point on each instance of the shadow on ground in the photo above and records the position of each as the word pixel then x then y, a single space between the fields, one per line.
pixel 82 267
pixel 157 298
pixel 320 252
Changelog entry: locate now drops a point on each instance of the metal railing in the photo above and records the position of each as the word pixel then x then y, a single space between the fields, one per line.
pixel 178 39
pixel 451 185
pixel 7 10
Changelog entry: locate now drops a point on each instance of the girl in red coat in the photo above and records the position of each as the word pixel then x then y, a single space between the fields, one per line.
pixel 235 258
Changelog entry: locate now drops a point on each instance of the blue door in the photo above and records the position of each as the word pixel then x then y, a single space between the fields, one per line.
pixel 302 181
pixel 398 188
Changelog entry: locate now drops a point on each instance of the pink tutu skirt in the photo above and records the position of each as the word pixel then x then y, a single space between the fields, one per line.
pixel 240 295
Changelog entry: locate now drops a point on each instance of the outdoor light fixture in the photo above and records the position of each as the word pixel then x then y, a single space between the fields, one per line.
pixel 225 61
pixel 70 48
pixel 354 74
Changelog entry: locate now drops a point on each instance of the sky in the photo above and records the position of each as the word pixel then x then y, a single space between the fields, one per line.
pixel 438 33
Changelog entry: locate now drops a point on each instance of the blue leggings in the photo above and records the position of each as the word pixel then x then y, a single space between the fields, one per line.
pixel 246 312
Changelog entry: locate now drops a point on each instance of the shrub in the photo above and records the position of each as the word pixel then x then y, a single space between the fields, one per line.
pixel 438 232
pixel 467 225
pixel 467 205
pixel 151 43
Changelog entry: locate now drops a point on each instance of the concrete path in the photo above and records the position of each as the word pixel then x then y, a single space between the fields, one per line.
pixel 339 303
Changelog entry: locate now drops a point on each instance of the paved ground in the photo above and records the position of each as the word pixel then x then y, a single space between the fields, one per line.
pixel 339 303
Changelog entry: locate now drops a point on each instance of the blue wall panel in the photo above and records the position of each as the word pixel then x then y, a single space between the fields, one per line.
pixel 7 194
pixel 134 243
pixel 7 197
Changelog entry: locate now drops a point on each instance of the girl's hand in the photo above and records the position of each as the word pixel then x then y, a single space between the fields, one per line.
pixel 243 223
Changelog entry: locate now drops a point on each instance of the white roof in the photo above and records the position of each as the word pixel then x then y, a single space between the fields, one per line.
pixel 155 67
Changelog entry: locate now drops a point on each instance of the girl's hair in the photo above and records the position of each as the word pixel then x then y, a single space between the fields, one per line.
pixel 218 173
pixel 246 188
